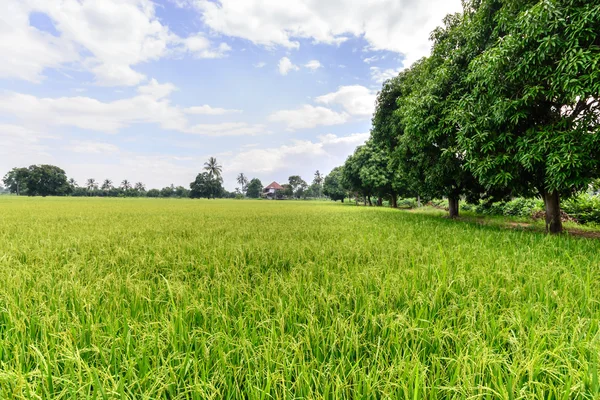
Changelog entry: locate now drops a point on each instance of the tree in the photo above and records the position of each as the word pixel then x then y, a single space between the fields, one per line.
pixel 254 188
pixel 73 183
pixel 318 183
pixel 107 185
pixel 333 185
pixel 206 185
pixel 167 191
pixel 153 193
pixel 298 186
pixel 91 184
pixel 125 185
pixel 213 168
pixel 15 180
pixel 243 181
pixel 181 192
pixel 531 118
pixel 140 187
pixel 46 180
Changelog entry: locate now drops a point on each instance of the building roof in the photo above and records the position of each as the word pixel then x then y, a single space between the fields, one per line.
pixel 274 185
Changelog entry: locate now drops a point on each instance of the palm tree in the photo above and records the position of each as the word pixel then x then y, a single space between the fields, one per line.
pixel 213 168
pixel 107 184
pixel 318 180
pixel 125 185
pixel 91 184
pixel 243 181
pixel 140 187
pixel 73 183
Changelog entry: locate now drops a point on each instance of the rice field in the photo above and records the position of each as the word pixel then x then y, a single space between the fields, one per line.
pixel 225 299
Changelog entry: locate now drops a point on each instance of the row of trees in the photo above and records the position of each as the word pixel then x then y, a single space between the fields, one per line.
pixel 508 104
pixel 49 180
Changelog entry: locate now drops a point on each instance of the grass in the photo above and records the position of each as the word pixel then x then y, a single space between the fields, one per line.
pixel 182 299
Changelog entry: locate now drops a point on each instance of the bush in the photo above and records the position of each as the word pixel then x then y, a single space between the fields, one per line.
pixel 584 208
pixel 519 207
pixel 407 203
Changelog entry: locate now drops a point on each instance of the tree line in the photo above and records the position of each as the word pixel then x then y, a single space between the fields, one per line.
pixel 506 105
pixel 50 180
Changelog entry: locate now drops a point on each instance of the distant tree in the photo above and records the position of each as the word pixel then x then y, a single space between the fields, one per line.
pixel 125 185
pixel 140 187
pixel 167 192
pixel 206 185
pixel 73 183
pixel 213 168
pixel 333 186
pixel 107 185
pixel 298 186
pixel 181 192
pixel 15 180
pixel 47 180
pixel 318 184
pixel 243 181
pixel 288 191
pixel 153 193
pixel 91 184
pixel 254 188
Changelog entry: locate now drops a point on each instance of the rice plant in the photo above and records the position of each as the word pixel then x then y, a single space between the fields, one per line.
pixel 183 299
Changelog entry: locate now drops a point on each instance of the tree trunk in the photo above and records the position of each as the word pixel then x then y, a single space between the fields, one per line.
pixel 379 201
pixel 342 201
pixel 370 202
pixel 419 200
pixel 453 206
pixel 552 206
pixel 394 201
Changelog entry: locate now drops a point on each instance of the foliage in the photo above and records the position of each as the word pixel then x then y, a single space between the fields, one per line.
pixel 144 299
pixel 333 185
pixel 207 186
pixel 298 186
pixel 213 168
pixel 584 208
pixel 254 188
pixel 38 180
pixel 518 207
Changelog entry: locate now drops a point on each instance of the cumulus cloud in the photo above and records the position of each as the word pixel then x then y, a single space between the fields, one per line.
pixel 313 65
pixel 88 147
pixel 106 37
pixel 151 105
pixel 208 110
pixel 285 66
pixel 308 116
pixel 401 26
pixel 380 75
pixel 355 99
pixel 297 157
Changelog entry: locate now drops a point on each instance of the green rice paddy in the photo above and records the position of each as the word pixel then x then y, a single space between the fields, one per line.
pixel 225 299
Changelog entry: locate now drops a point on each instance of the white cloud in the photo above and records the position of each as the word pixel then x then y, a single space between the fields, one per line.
pixel 22 146
pixel 356 100
pixel 299 157
pixel 208 110
pixel 260 64
pixel 106 37
pixel 87 147
pixel 381 75
pixel 151 105
pixel 313 65
pixel 370 60
pixel 285 66
pixel 227 129
pixel 308 116
pixel 401 26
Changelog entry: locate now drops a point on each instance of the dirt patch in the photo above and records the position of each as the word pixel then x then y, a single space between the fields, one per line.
pixel 583 234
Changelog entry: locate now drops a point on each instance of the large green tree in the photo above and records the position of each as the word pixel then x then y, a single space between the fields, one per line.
pixel 531 117
pixel 254 188
pixel 46 180
pixel 333 185
pixel 16 181
pixel 207 186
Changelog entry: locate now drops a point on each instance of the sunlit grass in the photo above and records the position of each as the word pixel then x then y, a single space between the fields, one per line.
pixel 146 299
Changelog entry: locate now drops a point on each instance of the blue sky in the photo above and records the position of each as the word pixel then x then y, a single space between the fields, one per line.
pixel 148 90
